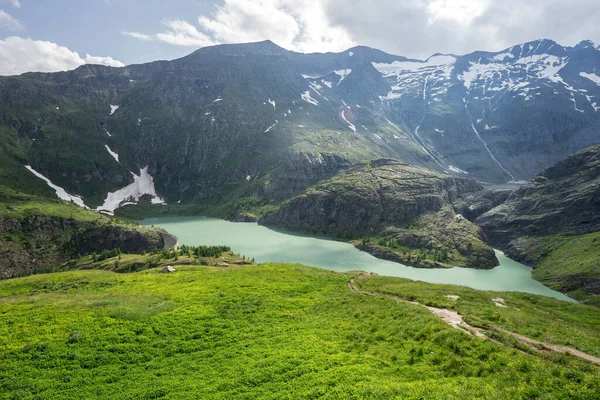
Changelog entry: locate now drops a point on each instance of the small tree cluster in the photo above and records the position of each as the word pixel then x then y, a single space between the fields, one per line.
pixel 106 254
pixel 205 251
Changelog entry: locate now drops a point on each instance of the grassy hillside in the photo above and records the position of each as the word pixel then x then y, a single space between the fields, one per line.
pixel 39 234
pixel 553 224
pixel 20 205
pixel 279 331
pixel 568 263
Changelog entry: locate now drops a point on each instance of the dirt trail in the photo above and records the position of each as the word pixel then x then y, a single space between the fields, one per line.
pixel 450 317
pixel 548 346
pixel 455 320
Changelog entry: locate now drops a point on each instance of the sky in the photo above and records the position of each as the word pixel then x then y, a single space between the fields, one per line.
pixel 55 35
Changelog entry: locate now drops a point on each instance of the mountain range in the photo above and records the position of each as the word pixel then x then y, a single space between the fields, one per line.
pixel 254 124
pixel 380 150
pixel 440 163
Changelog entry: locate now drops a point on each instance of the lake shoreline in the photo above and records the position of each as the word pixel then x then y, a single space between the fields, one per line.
pixel 267 245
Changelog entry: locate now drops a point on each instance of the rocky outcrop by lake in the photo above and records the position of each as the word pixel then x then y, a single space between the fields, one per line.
pixel 552 224
pixel 41 243
pixel 565 198
pixel 369 198
pixel 407 208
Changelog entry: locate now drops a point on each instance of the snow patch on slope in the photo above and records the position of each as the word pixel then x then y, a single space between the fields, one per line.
pixel 350 125
pixel 131 194
pixel 343 73
pixel 540 66
pixel 113 109
pixel 456 170
pixel 543 65
pixel 60 192
pixel 306 97
pixel 391 95
pixel 398 67
pixel 592 103
pixel 592 77
pixel 112 153
pixel 502 57
pixel 431 76
pixel 271 127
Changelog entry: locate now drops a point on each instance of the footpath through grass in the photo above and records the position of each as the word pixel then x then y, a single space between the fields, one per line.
pixel 278 332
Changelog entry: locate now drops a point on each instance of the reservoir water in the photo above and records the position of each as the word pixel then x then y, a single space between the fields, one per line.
pixel 266 245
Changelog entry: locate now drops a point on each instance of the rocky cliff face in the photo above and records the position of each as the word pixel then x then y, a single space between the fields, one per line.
pixel 408 208
pixel 303 169
pixel 565 198
pixel 475 204
pixel 367 199
pixel 553 224
pixel 42 243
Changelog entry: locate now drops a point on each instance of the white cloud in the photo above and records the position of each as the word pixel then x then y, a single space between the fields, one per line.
pixel 14 3
pixel 248 21
pixel 413 28
pixel 182 33
pixel 138 35
pixel 300 25
pixel 21 55
pixel 9 22
pixel 108 61
pixel 419 28
pixel 462 11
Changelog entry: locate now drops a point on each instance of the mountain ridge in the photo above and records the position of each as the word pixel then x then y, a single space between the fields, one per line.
pixel 234 117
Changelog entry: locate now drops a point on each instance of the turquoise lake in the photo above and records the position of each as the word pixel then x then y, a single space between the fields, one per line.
pixel 267 245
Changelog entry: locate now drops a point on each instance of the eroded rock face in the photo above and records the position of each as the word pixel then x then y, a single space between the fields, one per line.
pixel 563 199
pixel 128 239
pixel 475 204
pixel 303 169
pixel 42 243
pixel 407 205
pixel 367 199
pixel 550 224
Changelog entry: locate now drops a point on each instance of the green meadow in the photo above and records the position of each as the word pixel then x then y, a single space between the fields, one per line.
pixel 278 331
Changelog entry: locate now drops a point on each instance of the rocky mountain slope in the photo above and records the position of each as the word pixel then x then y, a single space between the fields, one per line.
pixel 405 210
pixel 553 223
pixel 565 198
pixel 41 243
pixel 41 235
pixel 501 116
pixel 255 118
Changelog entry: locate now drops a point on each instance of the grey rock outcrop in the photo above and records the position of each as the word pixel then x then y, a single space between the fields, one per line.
pixel 366 199
pixel 404 205
pixel 565 198
pixel 475 204
pixel 43 243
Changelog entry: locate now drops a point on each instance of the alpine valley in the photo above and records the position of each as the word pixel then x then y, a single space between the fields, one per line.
pixel 439 164
pixel 381 150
